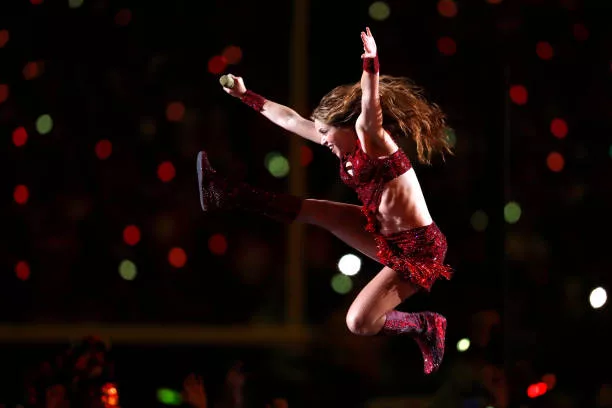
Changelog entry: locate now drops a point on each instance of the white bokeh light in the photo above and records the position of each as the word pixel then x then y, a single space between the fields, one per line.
pixel 349 264
pixel 598 298
pixel 463 344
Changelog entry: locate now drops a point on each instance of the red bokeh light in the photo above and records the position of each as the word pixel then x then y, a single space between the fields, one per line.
pixel 166 171
pixel 104 148
pixel 518 94
pixel 36 1
pixel 22 270
pixel 32 70
pixel 536 390
pixel 4 37
pixel 550 380
pixel 4 92
pixel 217 244
pixel 20 136
pixel 131 235
pixel 217 64
pixel 558 127
pixel 177 257
pixel 175 111
pixel 306 155
pixel 581 33
pixel 544 50
pixel 555 162
pixel 447 8
pixel 21 194
pixel 123 17
pixel 494 1
pixel 447 46
pixel 232 54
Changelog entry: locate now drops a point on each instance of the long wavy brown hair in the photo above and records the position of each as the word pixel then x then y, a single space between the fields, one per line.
pixel 406 113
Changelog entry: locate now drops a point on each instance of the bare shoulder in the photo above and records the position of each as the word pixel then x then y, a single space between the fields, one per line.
pixel 377 146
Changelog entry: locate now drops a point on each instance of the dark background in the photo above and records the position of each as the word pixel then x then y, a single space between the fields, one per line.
pixel 521 290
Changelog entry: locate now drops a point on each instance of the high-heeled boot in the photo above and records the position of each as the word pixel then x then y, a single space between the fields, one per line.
pixel 427 328
pixel 219 193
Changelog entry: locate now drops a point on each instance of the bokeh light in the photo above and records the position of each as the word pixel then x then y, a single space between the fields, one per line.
pixel 512 212
pixel 127 270
pixel 166 171
pixel 581 33
pixel 558 127
pixel 217 64
pixel 4 38
pixel 20 136
pixel 123 17
pixel 175 111
pixel 232 54
pixel 75 3
pixel 494 1
pixel 169 396
pixel 379 11
pixel 177 257
pixel 544 50
pixel 598 297
pixel 104 148
pixel 217 244
pixel 131 235
pixel 447 8
pixel 518 94
pixel 36 2
pixel 21 194
pixel 4 92
pixel 22 270
pixel 341 284
pixel 277 164
pixel 555 161
pixel 550 380
pixel 33 69
pixel 44 124
pixel 447 46
pixel 537 390
pixel 306 155
pixel 349 264
pixel 479 220
pixel 463 345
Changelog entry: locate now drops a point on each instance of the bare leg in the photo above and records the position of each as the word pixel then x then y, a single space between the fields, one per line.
pixel 383 293
pixel 345 221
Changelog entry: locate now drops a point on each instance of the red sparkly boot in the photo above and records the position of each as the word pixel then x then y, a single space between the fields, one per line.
pixel 218 193
pixel 428 330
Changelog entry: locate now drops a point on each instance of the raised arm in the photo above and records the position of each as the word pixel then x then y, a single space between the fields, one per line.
pixel 278 114
pixel 370 122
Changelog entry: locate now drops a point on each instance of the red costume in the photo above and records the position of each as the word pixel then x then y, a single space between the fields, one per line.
pixel 417 255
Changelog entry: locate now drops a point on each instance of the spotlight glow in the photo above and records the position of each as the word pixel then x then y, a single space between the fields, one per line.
pixel 349 265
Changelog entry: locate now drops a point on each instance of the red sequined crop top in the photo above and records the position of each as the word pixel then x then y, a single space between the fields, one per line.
pixel 370 176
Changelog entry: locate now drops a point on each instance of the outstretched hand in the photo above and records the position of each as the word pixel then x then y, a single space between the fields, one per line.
pixel 369 45
pixel 238 89
pixel 194 393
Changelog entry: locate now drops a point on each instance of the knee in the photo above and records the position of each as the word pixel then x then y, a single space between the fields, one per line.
pixel 358 323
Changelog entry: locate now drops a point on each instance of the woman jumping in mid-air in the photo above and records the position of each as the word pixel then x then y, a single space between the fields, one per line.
pixel 359 123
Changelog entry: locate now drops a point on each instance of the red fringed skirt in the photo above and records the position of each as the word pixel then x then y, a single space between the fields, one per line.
pixel 417 255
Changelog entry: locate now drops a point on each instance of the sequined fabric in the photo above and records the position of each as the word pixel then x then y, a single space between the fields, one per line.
pixel 254 100
pixel 428 330
pixel 218 193
pixel 417 255
pixel 371 65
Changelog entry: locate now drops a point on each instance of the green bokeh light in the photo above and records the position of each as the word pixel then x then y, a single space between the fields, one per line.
pixel 127 270
pixel 479 220
pixel 75 3
pixel 341 284
pixel 169 397
pixel 512 212
pixel 44 124
pixel 277 164
pixel 379 10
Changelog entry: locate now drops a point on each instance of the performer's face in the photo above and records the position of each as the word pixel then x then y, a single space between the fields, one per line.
pixel 339 140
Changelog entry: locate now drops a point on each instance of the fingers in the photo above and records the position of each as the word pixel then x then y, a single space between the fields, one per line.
pixel 368 31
